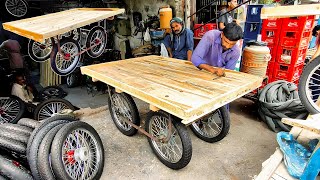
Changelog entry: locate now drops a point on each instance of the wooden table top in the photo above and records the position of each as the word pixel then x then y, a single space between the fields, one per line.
pixel 175 86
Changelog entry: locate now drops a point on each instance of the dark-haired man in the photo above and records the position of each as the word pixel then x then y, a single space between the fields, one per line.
pixel 218 50
pixel 227 18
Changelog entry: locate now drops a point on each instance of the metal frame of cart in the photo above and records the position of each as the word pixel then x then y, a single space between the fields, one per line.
pixel 65 36
pixel 178 93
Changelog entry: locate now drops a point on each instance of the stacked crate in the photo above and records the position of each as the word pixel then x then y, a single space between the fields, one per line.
pixel 253 23
pixel 288 40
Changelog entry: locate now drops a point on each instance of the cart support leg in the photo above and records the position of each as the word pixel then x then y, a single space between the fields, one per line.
pixel 153 108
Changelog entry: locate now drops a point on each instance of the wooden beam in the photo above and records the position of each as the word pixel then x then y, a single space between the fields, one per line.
pixel 268 169
pixel 118 90
pixel 290 11
pixel 153 108
pixel 311 125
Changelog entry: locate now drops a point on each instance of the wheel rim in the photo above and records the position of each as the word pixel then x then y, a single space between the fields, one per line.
pixel 97 37
pixel 41 51
pixel 70 80
pixel 51 109
pixel 211 126
pixel 17 8
pixel 66 65
pixel 312 87
pixel 172 149
pixel 9 109
pixel 121 110
pixel 81 154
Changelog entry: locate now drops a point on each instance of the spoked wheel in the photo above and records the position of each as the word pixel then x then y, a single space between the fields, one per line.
pixel 174 147
pixel 97 38
pixel 309 86
pixel 40 52
pixel 51 92
pixel 65 63
pixel 51 107
pixel 77 152
pixel 17 8
pixel 121 107
pixel 213 127
pixel 11 109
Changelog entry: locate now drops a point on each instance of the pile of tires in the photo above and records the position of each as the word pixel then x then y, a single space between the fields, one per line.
pixel 59 147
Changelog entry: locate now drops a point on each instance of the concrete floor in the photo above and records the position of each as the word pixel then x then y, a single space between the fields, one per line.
pixel 238 156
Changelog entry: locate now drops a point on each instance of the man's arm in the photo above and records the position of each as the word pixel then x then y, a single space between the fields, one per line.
pixel 221 25
pixel 222 19
pixel 167 43
pixel 17 91
pixel 189 44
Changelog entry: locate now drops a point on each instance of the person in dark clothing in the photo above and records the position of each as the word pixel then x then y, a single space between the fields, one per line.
pixel 316 33
pixel 228 17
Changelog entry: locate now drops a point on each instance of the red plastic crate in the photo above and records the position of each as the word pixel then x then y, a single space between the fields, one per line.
pixel 287 72
pixel 272 23
pixel 295 38
pixel 201 31
pixel 270 69
pixel 273 52
pixel 298 23
pixel 271 36
pixel 291 55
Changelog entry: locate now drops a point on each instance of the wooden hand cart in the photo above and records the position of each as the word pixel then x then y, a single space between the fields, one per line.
pixel 74 29
pixel 176 90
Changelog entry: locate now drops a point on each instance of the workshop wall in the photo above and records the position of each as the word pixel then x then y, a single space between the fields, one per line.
pixel 151 8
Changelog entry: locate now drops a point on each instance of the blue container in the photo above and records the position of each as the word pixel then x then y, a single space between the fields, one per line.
pixel 251 30
pixel 253 13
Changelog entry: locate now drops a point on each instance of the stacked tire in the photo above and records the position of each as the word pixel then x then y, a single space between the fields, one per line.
pixel 62 148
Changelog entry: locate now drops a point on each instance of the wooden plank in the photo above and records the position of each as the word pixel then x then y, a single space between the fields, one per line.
pixel 290 11
pixel 311 125
pixel 172 85
pixel 270 168
pixel 43 27
pixel 282 173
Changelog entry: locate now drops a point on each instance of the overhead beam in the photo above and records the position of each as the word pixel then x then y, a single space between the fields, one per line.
pixel 290 11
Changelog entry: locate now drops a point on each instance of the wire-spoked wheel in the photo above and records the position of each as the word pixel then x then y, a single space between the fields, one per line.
pixel 17 8
pixel 51 107
pixel 213 127
pixel 122 107
pixel 11 109
pixel 40 52
pixel 309 86
pixel 97 37
pixel 173 148
pixel 77 152
pixel 66 62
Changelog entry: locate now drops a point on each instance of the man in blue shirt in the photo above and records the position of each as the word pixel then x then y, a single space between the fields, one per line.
pixel 180 42
pixel 218 49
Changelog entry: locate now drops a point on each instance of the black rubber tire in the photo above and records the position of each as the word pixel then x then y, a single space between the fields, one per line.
pixel 17 128
pixel 73 66
pixel 224 113
pixel 14 103
pixel 58 144
pixel 16 135
pixel 41 58
pixel 101 46
pixel 2 177
pixel 44 163
pixel 43 124
pixel 10 169
pixel 24 3
pixel 12 145
pixel 184 137
pixel 134 113
pixel 31 123
pixel 304 81
pixel 51 92
pixel 41 107
pixel 72 80
pixel 33 154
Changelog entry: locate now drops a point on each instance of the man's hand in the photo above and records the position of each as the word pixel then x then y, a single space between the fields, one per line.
pixel 220 72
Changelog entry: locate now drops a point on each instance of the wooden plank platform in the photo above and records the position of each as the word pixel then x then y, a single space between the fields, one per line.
pixel 175 86
pixel 290 11
pixel 42 27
